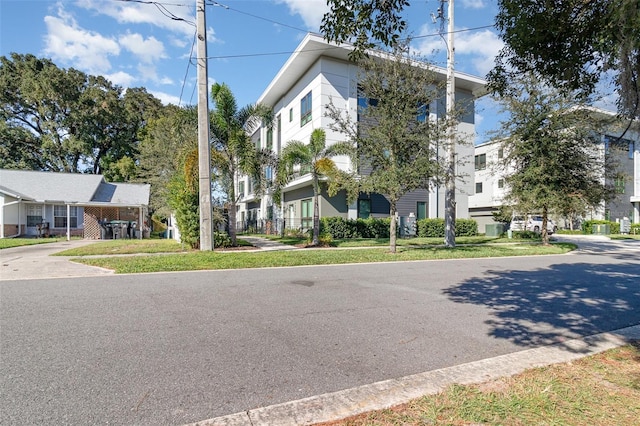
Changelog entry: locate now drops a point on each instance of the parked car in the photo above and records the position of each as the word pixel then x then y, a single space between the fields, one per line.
pixel 531 223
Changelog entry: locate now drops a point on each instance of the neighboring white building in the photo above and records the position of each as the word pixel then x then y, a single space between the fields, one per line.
pixel 34 203
pixel 315 74
pixel 490 188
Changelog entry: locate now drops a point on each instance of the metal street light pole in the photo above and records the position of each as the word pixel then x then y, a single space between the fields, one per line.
pixel 204 146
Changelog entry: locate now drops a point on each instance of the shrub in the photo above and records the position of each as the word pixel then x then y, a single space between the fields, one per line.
pixel 526 235
pixel 587 226
pixel 435 227
pixel 221 240
pixel 341 228
pixel 635 228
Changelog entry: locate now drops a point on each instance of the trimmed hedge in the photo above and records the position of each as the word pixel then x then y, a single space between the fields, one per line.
pixel 635 228
pixel 435 227
pixel 587 226
pixel 341 228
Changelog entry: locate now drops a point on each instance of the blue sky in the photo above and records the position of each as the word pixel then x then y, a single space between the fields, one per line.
pixel 141 44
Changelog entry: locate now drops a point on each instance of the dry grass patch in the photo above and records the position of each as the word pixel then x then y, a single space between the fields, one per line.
pixel 603 389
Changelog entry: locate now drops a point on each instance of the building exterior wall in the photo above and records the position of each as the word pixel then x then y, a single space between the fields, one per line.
pixel 626 160
pixel 333 80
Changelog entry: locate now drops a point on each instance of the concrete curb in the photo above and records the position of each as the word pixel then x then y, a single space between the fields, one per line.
pixel 387 393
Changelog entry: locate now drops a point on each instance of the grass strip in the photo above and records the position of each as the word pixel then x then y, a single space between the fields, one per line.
pixel 602 389
pixel 18 242
pixel 238 260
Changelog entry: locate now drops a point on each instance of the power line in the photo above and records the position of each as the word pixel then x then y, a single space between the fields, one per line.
pixel 224 6
pixel 289 52
pixel 186 74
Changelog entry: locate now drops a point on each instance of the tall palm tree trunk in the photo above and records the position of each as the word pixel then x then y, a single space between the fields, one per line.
pixel 392 227
pixel 316 212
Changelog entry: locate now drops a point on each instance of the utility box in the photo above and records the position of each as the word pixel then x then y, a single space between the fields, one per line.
pixel 493 229
pixel 601 229
pixel 625 226
pixel 407 226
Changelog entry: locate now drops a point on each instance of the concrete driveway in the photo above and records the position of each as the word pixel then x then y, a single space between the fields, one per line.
pixel 36 262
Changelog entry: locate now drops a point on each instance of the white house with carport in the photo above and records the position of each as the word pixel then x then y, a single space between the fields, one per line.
pixel 34 203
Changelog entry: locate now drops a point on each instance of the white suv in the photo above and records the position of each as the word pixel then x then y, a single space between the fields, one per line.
pixel 532 223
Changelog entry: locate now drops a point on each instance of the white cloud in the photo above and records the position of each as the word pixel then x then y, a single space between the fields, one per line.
pixel 165 98
pixel 121 78
pixel 148 50
pixel 473 4
pixel 475 50
pixel 311 11
pixel 139 13
pixel 86 50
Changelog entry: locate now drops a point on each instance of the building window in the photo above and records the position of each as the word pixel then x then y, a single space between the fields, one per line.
pixel 270 139
pixel 422 210
pixel 364 103
pixel 364 208
pixel 258 144
pixel 307 214
pixel 500 183
pixel 279 133
pixel 478 187
pixel 60 216
pixel 423 112
pixel 305 109
pixel 481 161
pixel 34 215
pixel 290 115
pixel 619 145
pixel 619 184
pixel 500 153
pixel 241 189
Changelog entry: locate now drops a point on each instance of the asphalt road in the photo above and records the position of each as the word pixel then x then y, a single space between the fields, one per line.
pixel 181 347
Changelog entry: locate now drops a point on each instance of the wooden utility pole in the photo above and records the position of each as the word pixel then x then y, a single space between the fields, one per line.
pixel 204 146
pixel 450 179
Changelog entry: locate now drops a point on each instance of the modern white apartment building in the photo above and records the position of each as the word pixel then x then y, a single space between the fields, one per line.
pixel 618 139
pixel 315 75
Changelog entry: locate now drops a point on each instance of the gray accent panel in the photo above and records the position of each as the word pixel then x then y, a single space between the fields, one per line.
pixel 408 203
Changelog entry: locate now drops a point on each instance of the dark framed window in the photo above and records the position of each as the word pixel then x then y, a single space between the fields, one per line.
pixel 60 216
pixel 500 183
pixel 270 139
pixel 421 210
pixel 290 115
pixel 241 189
pixel 619 184
pixel 306 220
pixel 364 208
pixel 478 187
pixel 481 161
pixel 500 153
pixel 305 109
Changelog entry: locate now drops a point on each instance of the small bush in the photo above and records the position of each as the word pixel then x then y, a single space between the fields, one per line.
pixel 341 228
pixel 526 235
pixel 221 240
pixel 635 228
pixel 587 226
pixel 435 228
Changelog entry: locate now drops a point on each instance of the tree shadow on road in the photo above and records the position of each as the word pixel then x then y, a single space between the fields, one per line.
pixel 554 304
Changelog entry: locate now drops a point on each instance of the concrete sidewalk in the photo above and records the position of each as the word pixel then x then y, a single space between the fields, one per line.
pixel 35 262
pixel 264 244
pixel 377 396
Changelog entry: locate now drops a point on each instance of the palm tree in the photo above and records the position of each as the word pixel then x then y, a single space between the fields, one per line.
pixel 316 158
pixel 233 152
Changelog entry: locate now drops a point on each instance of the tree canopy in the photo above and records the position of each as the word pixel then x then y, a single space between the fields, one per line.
pixel 63 120
pixel 552 154
pixel 573 44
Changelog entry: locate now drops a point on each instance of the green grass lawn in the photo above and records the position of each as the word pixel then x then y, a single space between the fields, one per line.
pixel 198 260
pixel 17 242
pixel 400 242
pixel 603 389
pixel 625 237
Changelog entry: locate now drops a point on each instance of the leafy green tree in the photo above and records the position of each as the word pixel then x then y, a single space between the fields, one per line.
pixel 395 137
pixel 363 22
pixel 70 120
pixel 573 44
pixel 184 197
pixel 315 157
pixel 551 150
pixel 233 152
pixel 160 152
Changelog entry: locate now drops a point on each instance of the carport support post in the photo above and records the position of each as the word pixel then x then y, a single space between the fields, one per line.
pixel 68 222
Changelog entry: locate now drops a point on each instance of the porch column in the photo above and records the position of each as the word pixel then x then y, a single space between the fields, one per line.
pixel 140 223
pixel 68 222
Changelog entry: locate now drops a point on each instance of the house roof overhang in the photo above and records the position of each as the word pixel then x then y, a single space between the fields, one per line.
pixel 314 46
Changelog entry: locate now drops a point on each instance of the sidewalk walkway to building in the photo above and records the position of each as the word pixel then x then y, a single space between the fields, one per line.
pixel 266 244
